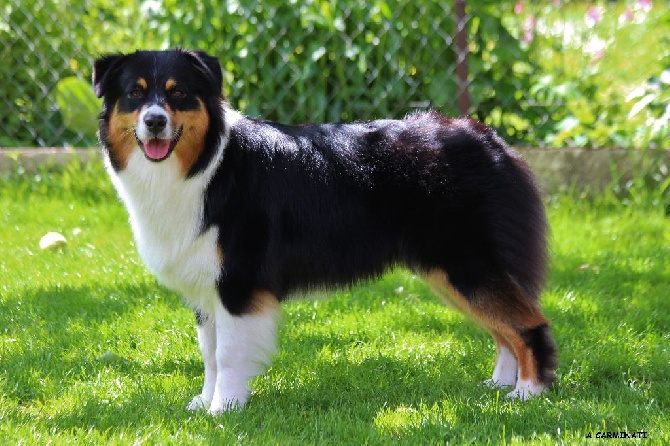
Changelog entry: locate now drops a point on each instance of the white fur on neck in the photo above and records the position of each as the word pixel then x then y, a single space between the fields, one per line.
pixel 166 214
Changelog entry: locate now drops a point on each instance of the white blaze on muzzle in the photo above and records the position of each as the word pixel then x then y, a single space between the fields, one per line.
pixel 155 132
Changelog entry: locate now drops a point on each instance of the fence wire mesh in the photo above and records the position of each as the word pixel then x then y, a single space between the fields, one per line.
pixel 586 73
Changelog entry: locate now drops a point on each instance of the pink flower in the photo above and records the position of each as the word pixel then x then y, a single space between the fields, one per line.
pixel 626 16
pixel 599 54
pixel 643 5
pixel 528 28
pixel 557 3
pixel 518 8
pixel 529 24
pixel 593 16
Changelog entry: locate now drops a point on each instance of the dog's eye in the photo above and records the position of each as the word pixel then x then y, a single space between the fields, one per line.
pixel 177 93
pixel 136 93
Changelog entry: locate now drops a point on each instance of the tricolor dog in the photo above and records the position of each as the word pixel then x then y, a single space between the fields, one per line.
pixel 237 214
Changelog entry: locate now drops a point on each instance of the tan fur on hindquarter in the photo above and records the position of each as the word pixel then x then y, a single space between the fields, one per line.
pixel 504 315
pixel 263 301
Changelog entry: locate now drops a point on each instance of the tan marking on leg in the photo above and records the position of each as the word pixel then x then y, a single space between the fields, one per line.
pixel 219 254
pixel 262 301
pixel 524 356
pixel 504 314
pixel 506 310
pixel 439 283
pixel 501 341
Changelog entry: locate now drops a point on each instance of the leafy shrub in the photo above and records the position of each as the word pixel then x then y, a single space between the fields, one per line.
pixel 43 44
pixel 652 101
pixel 590 88
pixel 81 181
pixel 319 60
pixel 35 56
pixel 328 61
pixel 77 104
pixel 309 61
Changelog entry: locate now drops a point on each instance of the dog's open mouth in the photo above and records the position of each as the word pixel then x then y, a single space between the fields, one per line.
pixel 158 149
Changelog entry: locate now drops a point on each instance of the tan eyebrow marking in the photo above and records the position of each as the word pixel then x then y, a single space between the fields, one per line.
pixel 142 83
pixel 170 84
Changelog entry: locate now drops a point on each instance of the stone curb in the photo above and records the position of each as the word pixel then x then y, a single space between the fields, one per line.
pixel 556 169
pixel 592 169
pixel 31 159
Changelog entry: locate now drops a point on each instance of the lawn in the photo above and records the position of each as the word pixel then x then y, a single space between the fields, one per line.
pixel 93 351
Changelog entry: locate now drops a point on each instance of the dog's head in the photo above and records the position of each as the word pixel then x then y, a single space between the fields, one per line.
pixel 159 102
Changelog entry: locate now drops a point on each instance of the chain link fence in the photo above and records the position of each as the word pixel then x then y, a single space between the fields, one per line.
pixel 553 73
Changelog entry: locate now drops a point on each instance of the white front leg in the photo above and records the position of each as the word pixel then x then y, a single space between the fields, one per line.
pixel 244 345
pixel 207 341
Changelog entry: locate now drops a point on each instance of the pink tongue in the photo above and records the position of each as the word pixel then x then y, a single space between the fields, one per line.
pixel 157 148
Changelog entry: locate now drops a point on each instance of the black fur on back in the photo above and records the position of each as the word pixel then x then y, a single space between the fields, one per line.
pixel 302 207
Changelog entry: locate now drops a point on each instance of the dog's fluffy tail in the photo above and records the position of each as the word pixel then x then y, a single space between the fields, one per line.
pixel 520 228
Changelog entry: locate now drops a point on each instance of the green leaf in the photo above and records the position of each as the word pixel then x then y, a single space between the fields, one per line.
pixel 78 105
pixel 641 104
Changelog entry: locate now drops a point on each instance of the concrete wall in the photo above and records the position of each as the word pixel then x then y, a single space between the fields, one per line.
pixel 559 169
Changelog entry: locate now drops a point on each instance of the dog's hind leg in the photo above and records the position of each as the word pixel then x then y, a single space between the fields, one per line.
pixel 535 350
pixel 525 345
pixel 507 367
pixel 244 345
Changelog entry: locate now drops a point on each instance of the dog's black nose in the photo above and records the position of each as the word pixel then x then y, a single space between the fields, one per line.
pixel 155 122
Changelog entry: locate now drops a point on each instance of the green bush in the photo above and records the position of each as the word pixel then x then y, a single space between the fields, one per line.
pixel 35 55
pixel 346 60
pixel 40 45
pixel 293 62
pixel 318 60
pixel 597 83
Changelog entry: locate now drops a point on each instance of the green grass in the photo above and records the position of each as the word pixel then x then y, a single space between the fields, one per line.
pixel 381 363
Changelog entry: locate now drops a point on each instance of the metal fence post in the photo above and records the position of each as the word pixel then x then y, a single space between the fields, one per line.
pixel 461 48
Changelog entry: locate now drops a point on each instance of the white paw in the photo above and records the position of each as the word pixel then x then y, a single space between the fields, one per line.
pixel 225 405
pixel 198 403
pixel 524 390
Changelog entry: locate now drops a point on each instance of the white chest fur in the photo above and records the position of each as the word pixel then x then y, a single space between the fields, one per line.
pixel 166 212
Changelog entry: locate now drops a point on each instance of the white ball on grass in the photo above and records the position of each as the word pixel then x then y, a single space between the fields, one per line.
pixel 52 240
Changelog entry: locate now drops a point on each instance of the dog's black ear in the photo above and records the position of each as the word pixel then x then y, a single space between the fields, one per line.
pixel 103 69
pixel 210 67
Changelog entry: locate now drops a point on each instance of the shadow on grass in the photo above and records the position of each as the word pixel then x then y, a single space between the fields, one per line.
pixel 58 307
pixel 50 334
pixel 306 391
pixel 445 400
